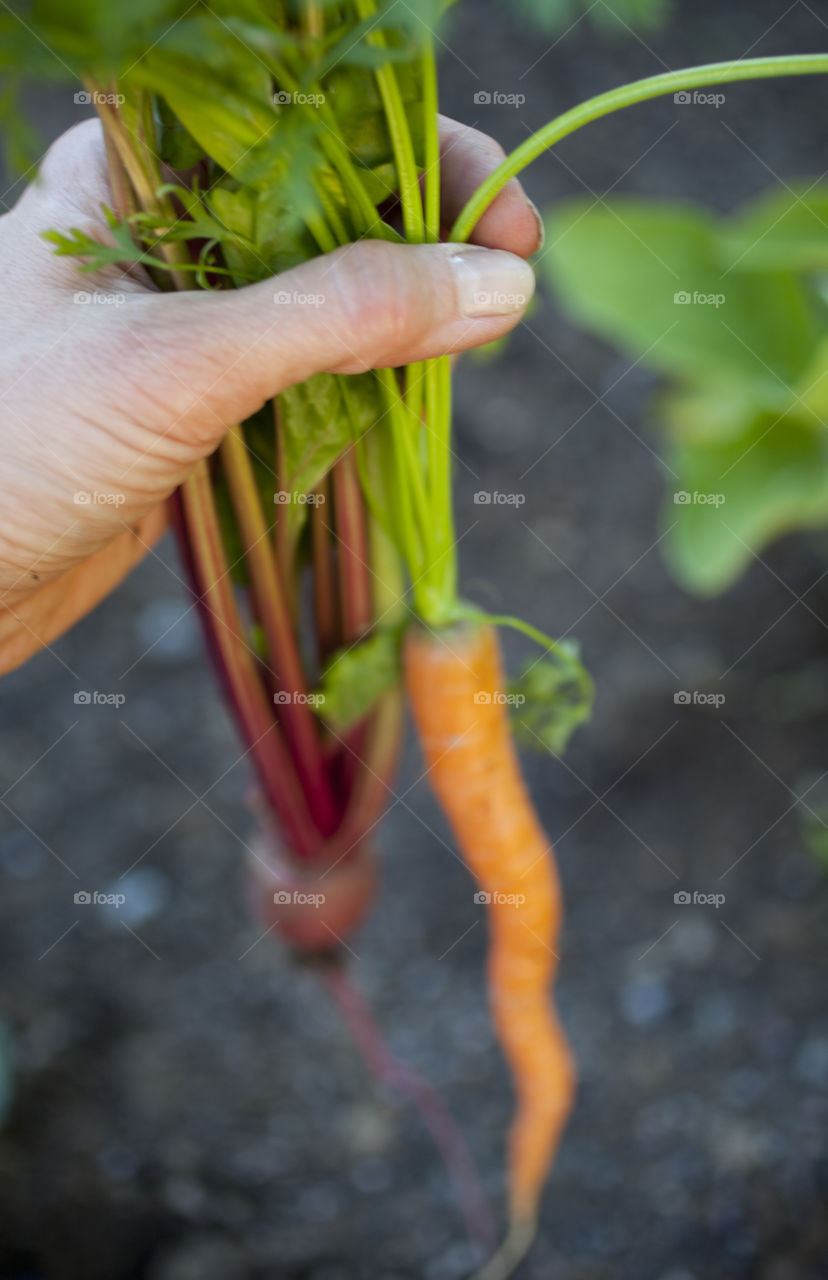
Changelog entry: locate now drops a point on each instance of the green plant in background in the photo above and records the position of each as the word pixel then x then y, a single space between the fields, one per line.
pixel 734 311
pixel 612 17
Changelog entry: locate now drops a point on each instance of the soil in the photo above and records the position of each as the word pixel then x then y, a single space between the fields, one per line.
pixel 186 1104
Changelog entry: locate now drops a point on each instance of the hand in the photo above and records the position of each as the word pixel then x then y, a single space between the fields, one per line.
pixel 105 407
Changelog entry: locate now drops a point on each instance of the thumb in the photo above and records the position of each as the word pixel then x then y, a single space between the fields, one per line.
pixel 367 305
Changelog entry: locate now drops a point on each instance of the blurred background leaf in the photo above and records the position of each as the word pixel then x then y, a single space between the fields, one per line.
pixel 613 17
pixel 733 310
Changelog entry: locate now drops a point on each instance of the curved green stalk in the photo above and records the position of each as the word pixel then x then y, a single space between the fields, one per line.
pixel 395 113
pixel 626 96
pixel 431 178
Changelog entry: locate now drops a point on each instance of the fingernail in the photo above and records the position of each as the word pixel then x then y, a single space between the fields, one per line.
pixel 541 225
pixel 491 282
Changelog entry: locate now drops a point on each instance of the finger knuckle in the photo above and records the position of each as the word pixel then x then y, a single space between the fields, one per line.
pixel 487 147
pixel 371 282
pixel 73 154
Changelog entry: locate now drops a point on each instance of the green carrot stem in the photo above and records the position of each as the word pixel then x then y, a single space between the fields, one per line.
pixel 431 178
pixel 616 99
pixel 396 116
pixel 414 516
pixel 439 419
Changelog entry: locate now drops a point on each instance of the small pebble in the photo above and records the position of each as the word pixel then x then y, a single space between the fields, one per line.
pixel 645 1000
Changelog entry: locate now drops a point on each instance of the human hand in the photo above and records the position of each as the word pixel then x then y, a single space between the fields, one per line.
pixel 104 409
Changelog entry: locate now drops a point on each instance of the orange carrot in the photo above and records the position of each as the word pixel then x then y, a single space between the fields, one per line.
pixel 455 686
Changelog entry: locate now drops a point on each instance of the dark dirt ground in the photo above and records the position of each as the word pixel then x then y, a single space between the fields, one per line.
pixel 181 1113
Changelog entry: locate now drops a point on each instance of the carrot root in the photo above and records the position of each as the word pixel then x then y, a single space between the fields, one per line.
pixel 456 689
pixel 513 1250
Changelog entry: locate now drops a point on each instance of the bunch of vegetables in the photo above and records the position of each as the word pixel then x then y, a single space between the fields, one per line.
pixel 245 137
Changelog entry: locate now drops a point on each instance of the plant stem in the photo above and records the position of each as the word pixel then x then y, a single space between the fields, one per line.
pixel 352 544
pixel 371 794
pixel 259 730
pixel 396 116
pixel 324 584
pixel 296 714
pixel 383 1064
pixel 436 594
pixel 431 158
pixel 626 96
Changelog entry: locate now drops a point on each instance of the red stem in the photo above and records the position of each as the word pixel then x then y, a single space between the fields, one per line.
pixel 328 636
pixel 382 1064
pixel 356 599
pixel 260 732
pixel 352 540
pixel 297 716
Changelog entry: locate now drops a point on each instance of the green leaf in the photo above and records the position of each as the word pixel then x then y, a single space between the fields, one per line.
pixel 650 277
pixel 277 237
pixel 552 697
pixel 97 256
pixel 228 123
pixel 813 827
pixel 357 677
pixel 786 229
pixel 22 144
pixel 712 410
pixel 315 420
pixel 734 497
pixel 622 17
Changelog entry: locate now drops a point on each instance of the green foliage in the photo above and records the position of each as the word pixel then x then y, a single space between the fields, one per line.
pixel 552 697
pixel 731 310
pixel 357 677
pixel 610 16
pixel 318 420
pixel 813 825
pixel 134 239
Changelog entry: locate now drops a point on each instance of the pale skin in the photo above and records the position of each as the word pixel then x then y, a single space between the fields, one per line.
pixel 119 400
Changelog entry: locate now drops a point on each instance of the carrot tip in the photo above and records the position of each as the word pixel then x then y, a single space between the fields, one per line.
pixel 513 1250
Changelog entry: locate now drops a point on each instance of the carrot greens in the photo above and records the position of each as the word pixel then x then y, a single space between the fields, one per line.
pixel 244 138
